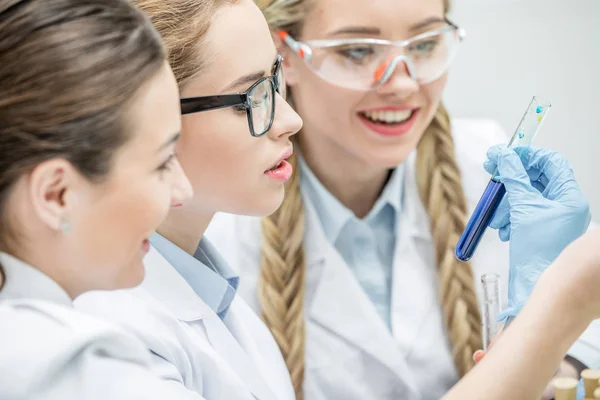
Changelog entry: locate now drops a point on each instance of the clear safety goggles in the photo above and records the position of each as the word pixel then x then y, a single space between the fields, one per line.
pixel 364 64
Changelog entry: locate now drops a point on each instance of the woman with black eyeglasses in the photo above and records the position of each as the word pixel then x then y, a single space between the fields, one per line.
pixel 235 139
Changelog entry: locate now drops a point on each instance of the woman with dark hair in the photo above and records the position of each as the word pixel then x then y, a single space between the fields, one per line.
pixel 89 117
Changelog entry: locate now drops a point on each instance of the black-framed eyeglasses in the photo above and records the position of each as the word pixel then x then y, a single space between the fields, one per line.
pixel 258 100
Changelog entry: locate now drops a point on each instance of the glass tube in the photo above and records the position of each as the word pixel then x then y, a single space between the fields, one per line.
pixel 494 192
pixel 491 307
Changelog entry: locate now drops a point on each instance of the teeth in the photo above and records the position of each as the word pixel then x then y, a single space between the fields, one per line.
pixel 391 117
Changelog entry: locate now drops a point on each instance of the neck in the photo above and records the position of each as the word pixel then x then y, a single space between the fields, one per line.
pixel 185 226
pixel 354 182
pixel 49 260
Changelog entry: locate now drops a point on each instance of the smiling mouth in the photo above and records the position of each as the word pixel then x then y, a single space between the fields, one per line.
pixel 388 117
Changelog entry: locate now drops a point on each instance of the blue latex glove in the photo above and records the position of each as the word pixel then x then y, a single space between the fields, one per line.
pixel 543 211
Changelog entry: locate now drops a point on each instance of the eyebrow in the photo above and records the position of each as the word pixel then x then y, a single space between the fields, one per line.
pixel 425 23
pixel 169 142
pixel 374 31
pixel 250 78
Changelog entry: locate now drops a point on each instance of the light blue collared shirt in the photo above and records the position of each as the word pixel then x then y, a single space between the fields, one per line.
pixel 367 245
pixel 206 272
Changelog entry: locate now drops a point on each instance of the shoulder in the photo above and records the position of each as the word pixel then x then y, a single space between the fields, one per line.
pixel 472 139
pixel 39 340
pixel 134 310
pixel 58 323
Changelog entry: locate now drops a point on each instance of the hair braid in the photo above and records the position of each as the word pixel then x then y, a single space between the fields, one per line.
pixel 440 188
pixel 281 285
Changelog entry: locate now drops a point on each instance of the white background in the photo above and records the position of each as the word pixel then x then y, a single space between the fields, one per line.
pixel 519 48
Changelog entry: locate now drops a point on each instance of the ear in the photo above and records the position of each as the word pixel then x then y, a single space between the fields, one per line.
pixel 50 187
pixel 289 68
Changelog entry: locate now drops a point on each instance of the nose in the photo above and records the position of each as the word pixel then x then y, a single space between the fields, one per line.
pixel 286 121
pixel 397 78
pixel 181 188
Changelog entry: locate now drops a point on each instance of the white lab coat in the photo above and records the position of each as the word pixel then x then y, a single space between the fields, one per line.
pixel 233 359
pixel 49 351
pixel 350 354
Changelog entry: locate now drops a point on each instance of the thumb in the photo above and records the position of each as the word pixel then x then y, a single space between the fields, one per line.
pixel 513 175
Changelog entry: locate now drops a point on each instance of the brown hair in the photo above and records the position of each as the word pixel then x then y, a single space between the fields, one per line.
pixel 281 284
pixel 182 25
pixel 68 70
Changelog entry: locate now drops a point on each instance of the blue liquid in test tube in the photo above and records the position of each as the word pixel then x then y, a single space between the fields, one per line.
pixel 495 191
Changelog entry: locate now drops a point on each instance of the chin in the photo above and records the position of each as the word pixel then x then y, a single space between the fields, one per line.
pixel 267 205
pixel 391 159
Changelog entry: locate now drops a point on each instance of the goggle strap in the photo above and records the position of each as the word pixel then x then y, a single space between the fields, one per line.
pixel 299 48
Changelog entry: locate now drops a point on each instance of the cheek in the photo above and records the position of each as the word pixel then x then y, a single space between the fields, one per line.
pixel 218 154
pixel 324 107
pixel 434 91
pixel 115 226
pixel 432 94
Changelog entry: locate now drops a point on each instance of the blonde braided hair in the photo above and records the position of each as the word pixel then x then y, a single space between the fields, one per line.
pixel 281 285
pixel 440 189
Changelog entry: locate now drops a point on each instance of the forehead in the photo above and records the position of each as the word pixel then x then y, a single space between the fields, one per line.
pixel 239 43
pixel 393 18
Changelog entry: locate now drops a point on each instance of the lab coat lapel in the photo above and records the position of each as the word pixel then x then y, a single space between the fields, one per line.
pixel 414 283
pixel 169 288
pixel 340 305
pixel 230 350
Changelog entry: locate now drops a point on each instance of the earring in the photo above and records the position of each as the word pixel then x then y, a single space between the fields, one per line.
pixel 65 227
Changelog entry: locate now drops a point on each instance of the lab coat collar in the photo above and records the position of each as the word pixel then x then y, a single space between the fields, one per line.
pixel 332 214
pixel 412 219
pixel 26 282
pixel 167 286
pixel 205 272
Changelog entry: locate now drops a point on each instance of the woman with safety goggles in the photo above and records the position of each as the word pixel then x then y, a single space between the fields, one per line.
pixel 360 256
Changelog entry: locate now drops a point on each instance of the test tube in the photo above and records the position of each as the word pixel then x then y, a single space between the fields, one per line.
pixel 494 192
pixel 491 307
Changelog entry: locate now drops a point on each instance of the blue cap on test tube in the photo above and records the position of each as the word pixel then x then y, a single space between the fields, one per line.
pixel 494 192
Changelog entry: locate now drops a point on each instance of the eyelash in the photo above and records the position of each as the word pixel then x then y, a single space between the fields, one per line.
pixel 240 109
pixel 166 166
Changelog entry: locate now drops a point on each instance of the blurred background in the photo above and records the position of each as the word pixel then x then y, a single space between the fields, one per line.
pixel 519 48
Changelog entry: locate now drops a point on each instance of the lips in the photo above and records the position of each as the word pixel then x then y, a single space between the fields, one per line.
pixel 281 170
pixel 389 121
pixel 287 154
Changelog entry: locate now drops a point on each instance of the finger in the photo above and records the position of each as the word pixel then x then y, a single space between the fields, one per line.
pixel 504 233
pixel 501 217
pixel 478 356
pixel 491 163
pixel 553 166
pixel 549 162
pixel 515 178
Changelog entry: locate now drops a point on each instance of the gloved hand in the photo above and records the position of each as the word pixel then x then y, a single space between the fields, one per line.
pixel 543 211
